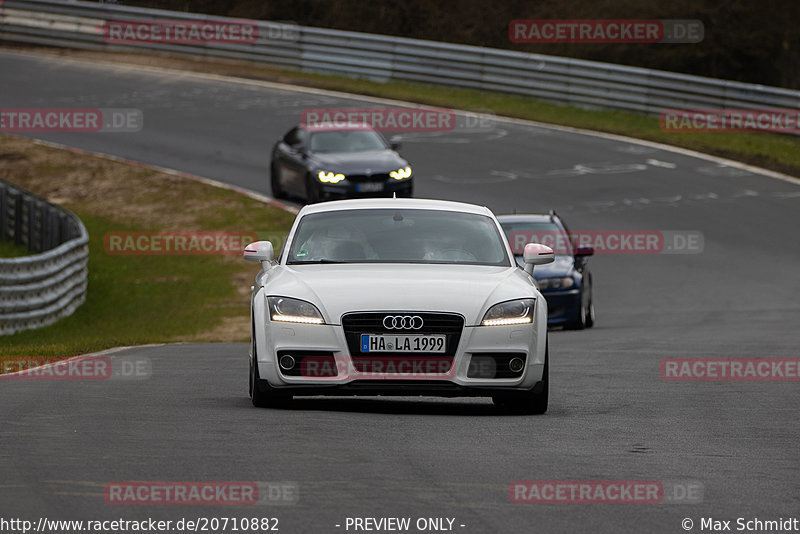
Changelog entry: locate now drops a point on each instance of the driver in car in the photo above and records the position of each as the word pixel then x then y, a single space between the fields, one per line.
pixel 342 244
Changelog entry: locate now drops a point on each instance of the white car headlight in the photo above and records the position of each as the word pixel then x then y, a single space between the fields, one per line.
pixel 330 177
pixel 289 310
pixel 510 313
pixel 556 283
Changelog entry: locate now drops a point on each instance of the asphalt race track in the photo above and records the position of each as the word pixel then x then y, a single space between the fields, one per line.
pixel 611 416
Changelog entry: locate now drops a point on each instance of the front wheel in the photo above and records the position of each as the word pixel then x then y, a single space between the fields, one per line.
pixel 533 401
pixel 275 182
pixel 261 393
pixel 579 322
pixel 590 314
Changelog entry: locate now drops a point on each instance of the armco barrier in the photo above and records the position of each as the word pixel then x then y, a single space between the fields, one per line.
pixel 557 79
pixel 39 289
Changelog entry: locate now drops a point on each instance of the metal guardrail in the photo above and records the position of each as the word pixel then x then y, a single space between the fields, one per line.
pixel 39 289
pixel 563 80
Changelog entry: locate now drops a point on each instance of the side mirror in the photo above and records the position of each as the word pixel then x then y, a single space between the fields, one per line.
pixel 584 251
pixel 260 251
pixel 536 254
pixel 395 145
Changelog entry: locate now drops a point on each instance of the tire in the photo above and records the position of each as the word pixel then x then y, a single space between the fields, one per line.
pixel 532 402
pixel 590 314
pixel 579 322
pixel 250 381
pixel 261 393
pixel 277 191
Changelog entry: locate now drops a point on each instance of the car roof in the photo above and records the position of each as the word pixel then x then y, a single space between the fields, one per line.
pixel 526 217
pixel 395 203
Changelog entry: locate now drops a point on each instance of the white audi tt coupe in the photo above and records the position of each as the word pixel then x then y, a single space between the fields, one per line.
pixel 398 297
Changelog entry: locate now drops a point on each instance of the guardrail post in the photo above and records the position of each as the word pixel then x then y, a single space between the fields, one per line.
pixel 18 204
pixel 44 227
pixel 4 236
pixel 30 204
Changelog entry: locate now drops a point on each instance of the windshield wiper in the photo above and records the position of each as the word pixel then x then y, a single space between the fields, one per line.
pixel 323 260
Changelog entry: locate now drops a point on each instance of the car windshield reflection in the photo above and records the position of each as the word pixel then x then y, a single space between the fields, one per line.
pixel 345 142
pixel 397 236
pixel 546 233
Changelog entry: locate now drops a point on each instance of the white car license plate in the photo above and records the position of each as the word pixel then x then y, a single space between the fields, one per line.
pixel 369 187
pixel 411 343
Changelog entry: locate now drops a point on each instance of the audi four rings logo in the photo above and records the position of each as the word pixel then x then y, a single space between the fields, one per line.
pixel 402 322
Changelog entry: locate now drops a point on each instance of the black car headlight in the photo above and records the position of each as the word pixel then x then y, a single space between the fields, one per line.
pixel 561 282
pixel 401 174
pixel 289 310
pixel 511 312
pixel 329 177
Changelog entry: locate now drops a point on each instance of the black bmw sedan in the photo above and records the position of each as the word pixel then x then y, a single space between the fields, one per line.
pixel 324 163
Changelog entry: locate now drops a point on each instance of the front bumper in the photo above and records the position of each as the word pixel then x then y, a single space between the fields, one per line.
pixel 563 305
pixel 527 342
pixel 347 189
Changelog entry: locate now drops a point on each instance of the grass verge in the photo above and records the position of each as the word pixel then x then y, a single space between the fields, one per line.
pixel 139 299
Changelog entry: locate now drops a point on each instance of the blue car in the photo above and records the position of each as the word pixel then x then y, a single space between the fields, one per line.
pixel 567 282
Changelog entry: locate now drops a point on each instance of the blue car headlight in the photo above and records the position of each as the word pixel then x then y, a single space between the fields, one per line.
pixel 561 282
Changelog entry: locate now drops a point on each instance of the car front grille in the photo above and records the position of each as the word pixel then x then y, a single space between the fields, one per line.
pixel 361 178
pixel 449 324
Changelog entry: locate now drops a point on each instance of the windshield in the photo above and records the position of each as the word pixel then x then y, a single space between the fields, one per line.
pixel 346 141
pixel 547 233
pixel 397 236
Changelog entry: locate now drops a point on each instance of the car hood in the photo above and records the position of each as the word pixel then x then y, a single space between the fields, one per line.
pixel 338 289
pixel 377 161
pixel 561 266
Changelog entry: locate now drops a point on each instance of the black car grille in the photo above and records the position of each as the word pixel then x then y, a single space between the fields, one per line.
pixel 355 324
pixel 361 178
